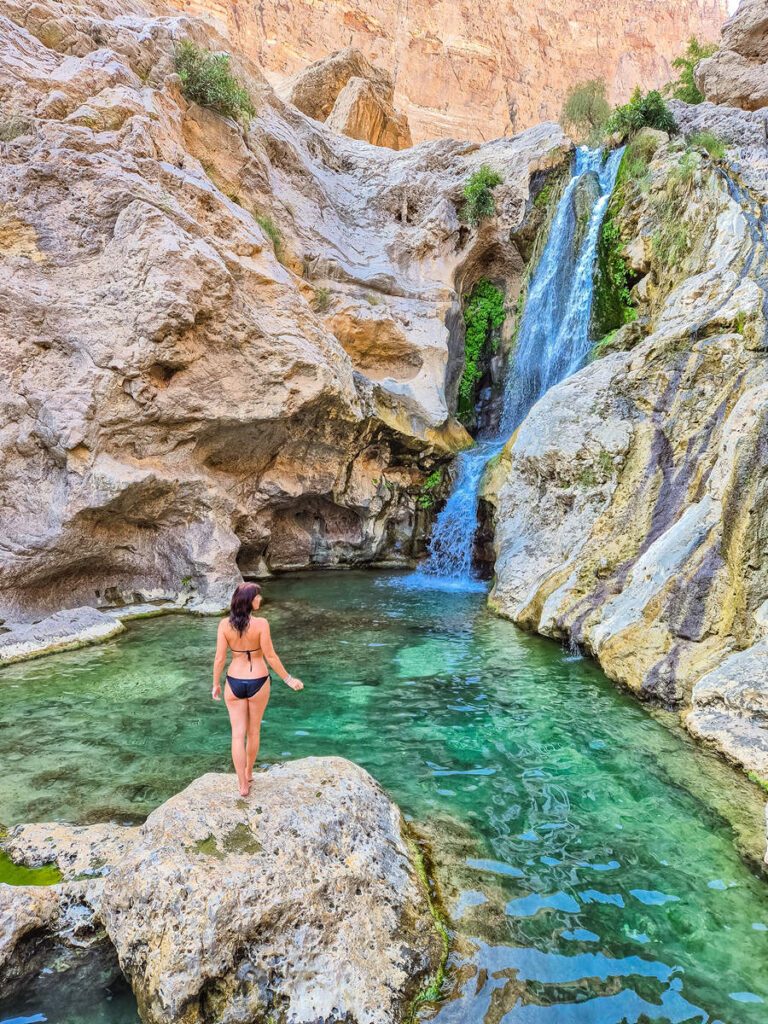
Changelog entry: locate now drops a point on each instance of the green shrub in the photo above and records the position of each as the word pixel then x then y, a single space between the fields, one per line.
pixel 684 88
pixel 206 79
pixel 710 142
pixel 427 496
pixel 322 299
pixel 612 302
pixel 542 198
pixel 478 199
pixel 649 111
pixel 484 313
pixel 586 110
pixel 273 231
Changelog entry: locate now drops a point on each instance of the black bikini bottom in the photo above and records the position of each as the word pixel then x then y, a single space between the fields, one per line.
pixel 244 688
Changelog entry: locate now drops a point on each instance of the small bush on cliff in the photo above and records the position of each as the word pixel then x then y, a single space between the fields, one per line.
pixel 427 497
pixel 206 79
pixel 709 141
pixel 478 199
pixel 586 110
pixel 649 111
pixel 484 313
pixel 273 231
pixel 684 88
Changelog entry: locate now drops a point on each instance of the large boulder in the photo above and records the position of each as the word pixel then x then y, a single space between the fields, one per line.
pixel 737 74
pixel 302 902
pixel 352 96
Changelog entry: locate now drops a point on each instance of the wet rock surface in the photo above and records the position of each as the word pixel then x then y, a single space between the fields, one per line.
pixel 302 901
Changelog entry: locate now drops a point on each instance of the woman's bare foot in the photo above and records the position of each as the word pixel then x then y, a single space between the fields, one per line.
pixel 244 787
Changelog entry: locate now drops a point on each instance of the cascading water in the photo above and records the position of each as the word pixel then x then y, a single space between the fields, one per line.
pixel 552 343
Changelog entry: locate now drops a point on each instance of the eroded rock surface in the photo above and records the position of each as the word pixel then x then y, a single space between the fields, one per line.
pixel 737 74
pixel 63 631
pixel 631 503
pixel 352 96
pixel 177 408
pixel 301 901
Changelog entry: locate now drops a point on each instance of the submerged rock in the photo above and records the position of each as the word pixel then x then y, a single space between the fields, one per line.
pixel 302 901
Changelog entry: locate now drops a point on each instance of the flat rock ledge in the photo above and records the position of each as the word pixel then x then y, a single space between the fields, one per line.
pixel 303 902
pixel 62 631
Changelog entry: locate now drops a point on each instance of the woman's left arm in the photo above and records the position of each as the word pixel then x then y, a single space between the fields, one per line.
pixel 219 662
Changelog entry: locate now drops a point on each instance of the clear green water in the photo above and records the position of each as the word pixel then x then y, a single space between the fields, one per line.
pixel 585 852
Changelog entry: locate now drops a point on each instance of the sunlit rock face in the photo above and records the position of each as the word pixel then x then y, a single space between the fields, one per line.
pixel 222 351
pixel 207 900
pixel 352 96
pixel 631 503
pixel 737 74
pixel 476 71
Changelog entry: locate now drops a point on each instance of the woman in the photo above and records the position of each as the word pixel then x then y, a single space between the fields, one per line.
pixel 247 688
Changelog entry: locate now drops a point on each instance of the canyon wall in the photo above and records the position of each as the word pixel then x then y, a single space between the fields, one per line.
pixel 476 71
pixel 632 501
pixel 223 349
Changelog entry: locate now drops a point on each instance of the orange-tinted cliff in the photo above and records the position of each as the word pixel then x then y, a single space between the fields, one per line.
pixel 471 70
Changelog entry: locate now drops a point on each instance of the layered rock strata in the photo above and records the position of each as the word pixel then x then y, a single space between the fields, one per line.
pixel 223 350
pixel 476 71
pixel 737 74
pixel 631 503
pixel 301 902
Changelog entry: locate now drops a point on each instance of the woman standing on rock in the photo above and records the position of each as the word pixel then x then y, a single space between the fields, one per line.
pixel 247 688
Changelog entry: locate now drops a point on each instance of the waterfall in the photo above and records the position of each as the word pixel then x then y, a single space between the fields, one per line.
pixel 553 342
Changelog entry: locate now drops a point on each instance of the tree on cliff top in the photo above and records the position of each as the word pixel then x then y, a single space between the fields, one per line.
pixel 586 110
pixel 684 88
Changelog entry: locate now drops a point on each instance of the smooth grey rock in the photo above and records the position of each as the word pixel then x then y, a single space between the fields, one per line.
pixel 730 708
pixel 747 129
pixel 62 631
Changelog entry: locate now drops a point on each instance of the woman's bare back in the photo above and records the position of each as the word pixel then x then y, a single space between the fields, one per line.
pixel 255 640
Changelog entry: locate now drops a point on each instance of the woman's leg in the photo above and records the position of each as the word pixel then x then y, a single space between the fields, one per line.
pixel 256 708
pixel 238 718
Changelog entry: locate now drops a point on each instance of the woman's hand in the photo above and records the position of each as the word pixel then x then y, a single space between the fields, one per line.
pixel 294 683
pixel 216 691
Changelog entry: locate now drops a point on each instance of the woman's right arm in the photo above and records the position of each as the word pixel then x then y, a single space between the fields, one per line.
pixel 270 656
pixel 219 661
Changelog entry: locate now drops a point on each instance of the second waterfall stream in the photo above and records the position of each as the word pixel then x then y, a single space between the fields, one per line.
pixel 552 343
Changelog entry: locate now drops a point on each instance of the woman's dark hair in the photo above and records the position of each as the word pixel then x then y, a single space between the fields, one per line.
pixel 241 605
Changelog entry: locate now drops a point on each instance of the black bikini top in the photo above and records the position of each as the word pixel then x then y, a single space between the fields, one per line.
pixel 256 650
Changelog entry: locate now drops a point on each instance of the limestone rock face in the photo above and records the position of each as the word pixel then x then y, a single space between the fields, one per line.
pixel 737 74
pixel 352 96
pixel 631 502
pixel 301 902
pixel 176 406
pixel 476 71
pixel 75 627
